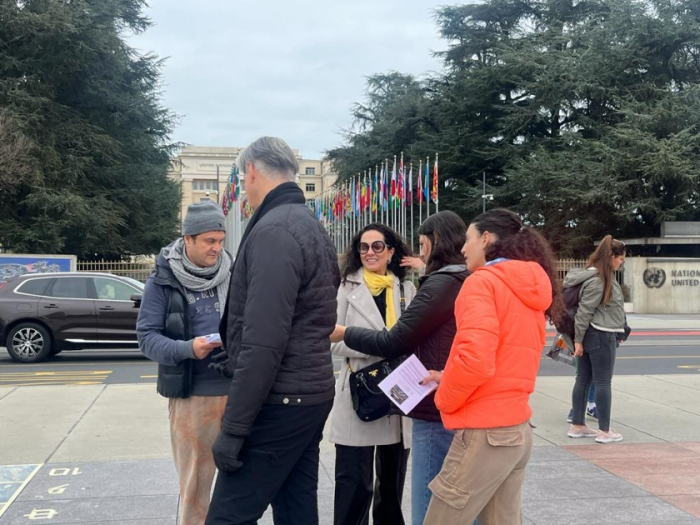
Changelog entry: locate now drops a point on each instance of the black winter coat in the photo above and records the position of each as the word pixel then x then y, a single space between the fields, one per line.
pixel 427 328
pixel 281 312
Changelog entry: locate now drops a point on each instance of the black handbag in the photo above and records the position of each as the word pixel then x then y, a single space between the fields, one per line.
pixel 368 400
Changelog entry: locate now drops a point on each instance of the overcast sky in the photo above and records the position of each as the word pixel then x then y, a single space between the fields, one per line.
pixel 240 69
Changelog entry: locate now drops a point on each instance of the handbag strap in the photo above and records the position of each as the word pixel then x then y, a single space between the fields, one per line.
pixel 403 309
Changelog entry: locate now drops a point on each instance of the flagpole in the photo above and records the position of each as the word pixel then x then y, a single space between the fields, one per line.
pixel 420 199
pixel 427 181
pixel 399 194
pixel 410 190
pixel 435 175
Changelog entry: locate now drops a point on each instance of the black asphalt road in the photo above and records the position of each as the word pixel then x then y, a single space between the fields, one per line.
pixel 662 352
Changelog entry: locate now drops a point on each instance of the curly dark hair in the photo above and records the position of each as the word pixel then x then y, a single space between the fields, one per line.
pixel 447 233
pixel 353 262
pixel 522 243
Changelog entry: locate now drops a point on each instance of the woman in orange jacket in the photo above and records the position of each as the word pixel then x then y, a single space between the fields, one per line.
pixel 485 387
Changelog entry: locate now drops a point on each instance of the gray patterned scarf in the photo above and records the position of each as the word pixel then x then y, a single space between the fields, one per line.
pixel 196 278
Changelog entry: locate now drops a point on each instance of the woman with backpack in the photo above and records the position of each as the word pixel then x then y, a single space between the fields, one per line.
pixel 599 326
pixel 371 295
pixel 486 384
pixel 426 328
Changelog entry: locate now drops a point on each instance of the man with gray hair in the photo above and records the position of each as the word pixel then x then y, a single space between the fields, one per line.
pixel 183 302
pixel 279 315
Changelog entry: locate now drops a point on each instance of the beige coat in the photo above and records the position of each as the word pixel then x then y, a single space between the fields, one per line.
pixel 356 307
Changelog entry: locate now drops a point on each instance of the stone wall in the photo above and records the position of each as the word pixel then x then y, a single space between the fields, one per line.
pixel 664 285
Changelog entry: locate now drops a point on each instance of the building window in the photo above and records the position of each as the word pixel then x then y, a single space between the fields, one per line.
pixel 194 185
pixel 310 187
pixel 311 171
pixel 216 185
pixel 208 185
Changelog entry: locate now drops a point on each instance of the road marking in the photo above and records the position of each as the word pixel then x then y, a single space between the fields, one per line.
pixel 658 357
pixel 58 373
pixel 19 490
pixel 650 357
pixel 67 377
pixel 149 377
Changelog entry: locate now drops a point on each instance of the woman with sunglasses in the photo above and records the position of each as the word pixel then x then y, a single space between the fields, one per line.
pixel 426 328
pixel 370 296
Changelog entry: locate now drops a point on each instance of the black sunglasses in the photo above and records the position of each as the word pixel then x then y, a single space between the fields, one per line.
pixel 377 247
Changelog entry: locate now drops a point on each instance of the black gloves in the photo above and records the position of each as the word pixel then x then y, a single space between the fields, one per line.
pixel 221 364
pixel 226 449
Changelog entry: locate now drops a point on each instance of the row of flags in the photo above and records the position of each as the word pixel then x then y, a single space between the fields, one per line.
pixel 379 191
pixel 373 192
pixel 232 194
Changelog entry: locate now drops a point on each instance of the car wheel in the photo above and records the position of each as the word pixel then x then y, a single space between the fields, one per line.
pixel 28 343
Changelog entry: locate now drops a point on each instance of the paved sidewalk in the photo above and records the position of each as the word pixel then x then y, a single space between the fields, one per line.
pixel 98 454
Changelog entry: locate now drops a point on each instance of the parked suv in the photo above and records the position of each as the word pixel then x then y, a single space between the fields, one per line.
pixel 44 314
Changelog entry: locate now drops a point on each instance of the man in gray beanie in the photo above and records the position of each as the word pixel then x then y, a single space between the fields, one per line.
pixel 183 302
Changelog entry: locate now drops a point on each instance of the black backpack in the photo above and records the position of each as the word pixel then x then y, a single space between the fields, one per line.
pixel 567 324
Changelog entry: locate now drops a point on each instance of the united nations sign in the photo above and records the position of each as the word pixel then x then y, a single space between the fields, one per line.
pixel 654 277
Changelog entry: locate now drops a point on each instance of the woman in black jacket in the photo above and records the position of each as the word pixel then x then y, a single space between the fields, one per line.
pixel 426 328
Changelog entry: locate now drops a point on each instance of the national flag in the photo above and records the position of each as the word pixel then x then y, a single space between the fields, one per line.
pixel 364 200
pixel 409 194
pixel 375 188
pixel 400 183
pixel 393 183
pixel 352 196
pixel 435 181
pixel 224 202
pixel 236 191
pixel 385 186
pixel 419 185
pixel 426 184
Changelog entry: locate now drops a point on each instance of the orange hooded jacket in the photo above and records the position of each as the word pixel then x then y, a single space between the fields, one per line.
pixel 496 352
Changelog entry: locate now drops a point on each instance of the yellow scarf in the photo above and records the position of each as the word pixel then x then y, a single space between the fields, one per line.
pixel 382 283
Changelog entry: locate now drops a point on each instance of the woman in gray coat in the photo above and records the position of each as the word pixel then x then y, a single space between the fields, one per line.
pixel 599 326
pixel 370 297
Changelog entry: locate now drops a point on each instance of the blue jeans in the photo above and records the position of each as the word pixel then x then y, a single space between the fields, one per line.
pixel 431 441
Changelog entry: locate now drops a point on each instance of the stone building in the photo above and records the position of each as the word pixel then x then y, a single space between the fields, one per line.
pixel 202 172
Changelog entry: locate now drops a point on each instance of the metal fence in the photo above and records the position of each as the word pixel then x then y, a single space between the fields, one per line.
pixel 141 270
pixel 564 265
pixel 136 270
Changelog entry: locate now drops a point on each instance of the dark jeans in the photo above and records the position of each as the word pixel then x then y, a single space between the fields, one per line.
pixel 353 484
pixel 280 467
pixel 595 366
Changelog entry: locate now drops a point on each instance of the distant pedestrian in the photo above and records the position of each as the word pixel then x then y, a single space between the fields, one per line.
pixel 373 289
pixel 279 315
pixel 591 410
pixel 486 385
pixel 600 324
pixel 426 329
pixel 182 302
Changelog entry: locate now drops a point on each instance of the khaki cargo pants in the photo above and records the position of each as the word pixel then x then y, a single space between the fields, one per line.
pixel 482 476
pixel 194 425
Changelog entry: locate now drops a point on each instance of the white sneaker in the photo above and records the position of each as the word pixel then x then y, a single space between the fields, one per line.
pixel 608 437
pixel 581 432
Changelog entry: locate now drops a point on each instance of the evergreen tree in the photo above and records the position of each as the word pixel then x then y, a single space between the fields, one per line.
pixel 582 114
pixel 90 136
